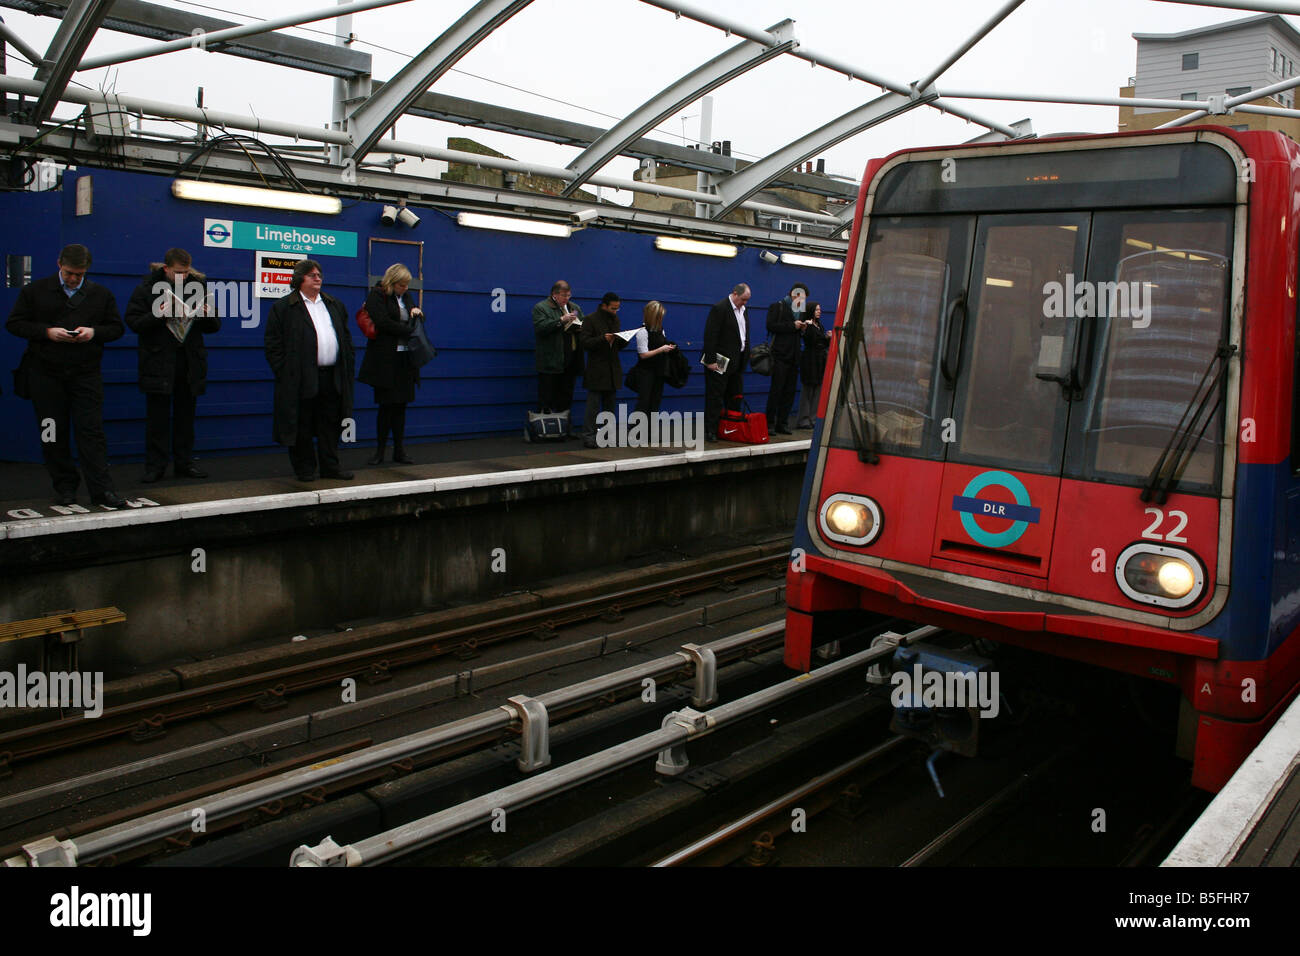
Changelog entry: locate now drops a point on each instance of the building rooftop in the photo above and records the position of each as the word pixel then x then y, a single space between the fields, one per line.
pixel 1258 20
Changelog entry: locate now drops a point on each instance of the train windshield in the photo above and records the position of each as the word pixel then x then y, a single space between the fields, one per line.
pixel 1085 343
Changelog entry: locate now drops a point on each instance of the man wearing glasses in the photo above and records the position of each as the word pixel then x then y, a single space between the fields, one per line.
pixel 310 351
pixel 66 320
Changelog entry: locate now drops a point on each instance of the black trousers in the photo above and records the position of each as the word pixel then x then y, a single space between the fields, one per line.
pixel 68 400
pixel 321 418
pixel 170 414
pixel 555 391
pixel 597 402
pixel 780 400
pixel 720 390
pixel 651 395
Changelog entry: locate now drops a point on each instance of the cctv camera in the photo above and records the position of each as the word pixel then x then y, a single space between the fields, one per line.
pixel 769 257
pixel 408 218
pixel 388 215
pixel 584 215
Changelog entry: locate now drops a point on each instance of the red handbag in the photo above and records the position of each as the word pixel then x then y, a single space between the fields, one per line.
pixel 366 324
pixel 746 427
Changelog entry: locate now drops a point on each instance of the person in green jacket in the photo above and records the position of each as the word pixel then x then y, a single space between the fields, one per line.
pixel 557 323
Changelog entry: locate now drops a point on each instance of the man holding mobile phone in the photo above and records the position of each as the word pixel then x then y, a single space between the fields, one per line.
pixel 66 320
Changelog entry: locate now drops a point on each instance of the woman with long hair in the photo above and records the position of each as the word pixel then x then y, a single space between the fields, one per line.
pixel 386 366
pixel 652 349
pixel 812 364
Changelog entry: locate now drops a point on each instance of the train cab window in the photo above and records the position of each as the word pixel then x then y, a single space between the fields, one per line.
pixel 895 336
pixel 1163 320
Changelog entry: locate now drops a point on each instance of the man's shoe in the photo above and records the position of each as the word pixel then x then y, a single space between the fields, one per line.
pixel 402 458
pixel 190 471
pixel 340 475
pixel 65 498
pixel 378 458
pixel 109 499
pixel 784 431
pixel 152 475
pixel 305 476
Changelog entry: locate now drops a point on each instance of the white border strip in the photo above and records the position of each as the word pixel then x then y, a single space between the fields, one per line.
pixel 1218 834
pixel 99 521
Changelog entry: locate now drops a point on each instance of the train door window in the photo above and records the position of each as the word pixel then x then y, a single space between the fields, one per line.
pixel 1162 281
pixel 1009 411
pixel 913 269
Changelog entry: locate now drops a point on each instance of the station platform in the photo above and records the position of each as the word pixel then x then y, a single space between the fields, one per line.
pixel 202 566
pixel 1254 821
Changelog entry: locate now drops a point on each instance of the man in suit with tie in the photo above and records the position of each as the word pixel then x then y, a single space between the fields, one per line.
pixel 726 333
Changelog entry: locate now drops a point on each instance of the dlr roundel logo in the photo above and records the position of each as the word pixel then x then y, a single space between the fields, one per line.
pixel 218 232
pixel 1020 511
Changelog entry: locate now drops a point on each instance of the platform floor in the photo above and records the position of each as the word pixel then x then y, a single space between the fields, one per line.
pixel 26 494
pixel 1255 819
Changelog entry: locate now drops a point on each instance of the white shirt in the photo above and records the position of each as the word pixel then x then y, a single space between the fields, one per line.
pixel 739 310
pixel 327 343
pixel 642 340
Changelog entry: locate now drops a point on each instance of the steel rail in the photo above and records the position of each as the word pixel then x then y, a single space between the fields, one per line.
pixel 157 712
pixel 129 834
pixel 820 782
pixel 679 728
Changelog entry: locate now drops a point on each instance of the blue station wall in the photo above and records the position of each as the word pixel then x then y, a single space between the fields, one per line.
pixel 479 290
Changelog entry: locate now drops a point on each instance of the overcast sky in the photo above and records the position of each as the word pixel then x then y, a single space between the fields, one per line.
pixel 594 60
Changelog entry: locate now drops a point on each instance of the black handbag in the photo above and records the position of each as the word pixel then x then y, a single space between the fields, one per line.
pixel 418 346
pixel 760 358
pixel 632 380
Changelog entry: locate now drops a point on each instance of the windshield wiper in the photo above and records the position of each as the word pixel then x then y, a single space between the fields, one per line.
pixel 1164 477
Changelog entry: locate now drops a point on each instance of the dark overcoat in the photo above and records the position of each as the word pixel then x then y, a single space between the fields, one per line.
pixel 291 353
pixel 812 360
pixel 43 305
pixel 156 360
pixel 383 367
pixel 604 371
pixel 558 350
pixel 722 337
pixel 785 337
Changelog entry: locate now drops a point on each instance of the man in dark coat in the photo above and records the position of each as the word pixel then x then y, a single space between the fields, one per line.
pixel 604 372
pixel 310 351
pixel 173 372
pixel 556 323
pixel 785 323
pixel 726 333
pixel 66 320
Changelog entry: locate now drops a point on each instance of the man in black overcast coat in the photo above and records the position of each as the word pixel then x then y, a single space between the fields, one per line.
pixel 173 373
pixel 66 320
pixel 726 332
pixel 309 349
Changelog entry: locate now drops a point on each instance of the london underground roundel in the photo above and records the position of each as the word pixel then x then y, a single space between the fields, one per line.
pixel 1020 511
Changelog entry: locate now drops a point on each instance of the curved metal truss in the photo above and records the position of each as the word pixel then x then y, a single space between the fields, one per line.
pixel 368 109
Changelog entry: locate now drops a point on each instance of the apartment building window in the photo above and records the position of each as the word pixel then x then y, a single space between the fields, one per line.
pixel 1190 96
pixel 1191 60
pixel 1273 62
pixel 1237 90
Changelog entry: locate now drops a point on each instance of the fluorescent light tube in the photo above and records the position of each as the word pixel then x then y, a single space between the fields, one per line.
pixel 694 246
pixel 253 196
pixel 815 262
pixel 530 227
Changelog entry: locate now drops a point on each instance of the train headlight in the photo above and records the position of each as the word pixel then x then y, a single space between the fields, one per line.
pixel 1154 574
pixel 851 519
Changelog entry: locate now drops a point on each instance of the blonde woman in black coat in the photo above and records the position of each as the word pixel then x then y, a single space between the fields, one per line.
pixel 386 366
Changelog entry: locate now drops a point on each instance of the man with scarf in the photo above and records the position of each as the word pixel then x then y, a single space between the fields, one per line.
pixel 785 323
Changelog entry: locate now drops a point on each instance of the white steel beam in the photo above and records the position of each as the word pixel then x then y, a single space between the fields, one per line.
pixel 743 183
pixel 816 58
pixel 1238 103
pixel 721 69
pixel 74 34
pixel 924 84
pixel 313 134
pixel 19 44
pixel 202 40
pixel 378 112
